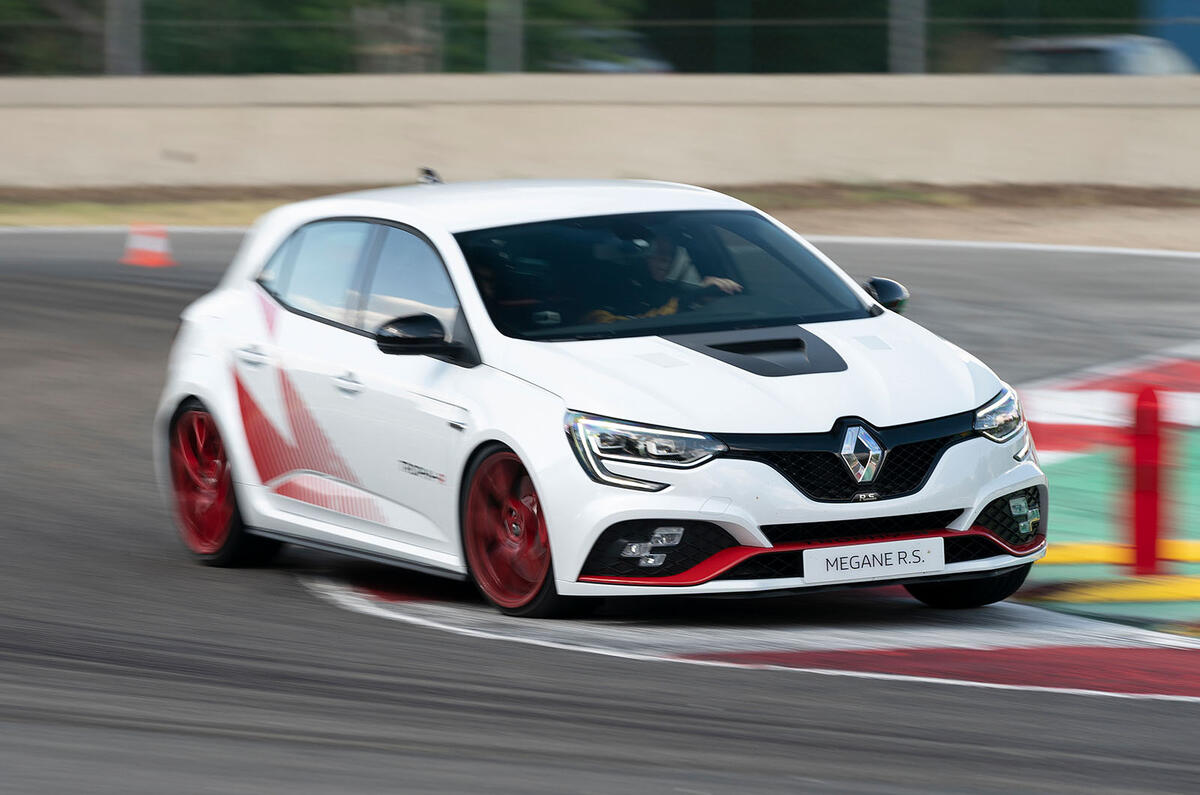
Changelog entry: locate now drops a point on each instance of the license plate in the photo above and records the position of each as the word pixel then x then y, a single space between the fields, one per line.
pixel 880 561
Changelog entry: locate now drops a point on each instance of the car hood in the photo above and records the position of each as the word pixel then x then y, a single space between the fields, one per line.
pixel 896 372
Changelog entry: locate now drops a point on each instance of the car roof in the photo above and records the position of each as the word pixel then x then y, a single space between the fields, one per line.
pixel 464 206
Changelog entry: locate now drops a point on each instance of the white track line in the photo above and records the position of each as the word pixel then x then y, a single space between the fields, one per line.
pixel 1002 246
pixel 815 239
pixel 348 599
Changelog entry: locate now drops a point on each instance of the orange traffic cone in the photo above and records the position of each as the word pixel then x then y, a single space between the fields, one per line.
pixel 147 247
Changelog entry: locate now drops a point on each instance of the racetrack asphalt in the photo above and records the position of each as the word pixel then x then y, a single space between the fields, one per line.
pixel 126 668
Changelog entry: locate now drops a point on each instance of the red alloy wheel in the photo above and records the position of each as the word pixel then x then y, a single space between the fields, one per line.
pixel 506 540
pixel 202 481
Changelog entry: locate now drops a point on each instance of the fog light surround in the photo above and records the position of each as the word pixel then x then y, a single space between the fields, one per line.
pixel 698 541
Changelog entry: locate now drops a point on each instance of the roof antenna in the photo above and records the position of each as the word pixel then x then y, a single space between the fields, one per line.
pixel 427 176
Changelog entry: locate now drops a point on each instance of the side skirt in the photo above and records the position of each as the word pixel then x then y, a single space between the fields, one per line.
pixel 322 546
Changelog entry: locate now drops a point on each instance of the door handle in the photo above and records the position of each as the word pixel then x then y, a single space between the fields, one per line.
pixel 348 384
pixel 253 356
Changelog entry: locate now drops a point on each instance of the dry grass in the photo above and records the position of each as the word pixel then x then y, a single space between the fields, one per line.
pixel 232 212
pixel 1068 214
pixel 919 194
pixel 183 205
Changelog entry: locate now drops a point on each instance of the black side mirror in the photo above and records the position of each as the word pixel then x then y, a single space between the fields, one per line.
pixel 414 334
pixel 891 295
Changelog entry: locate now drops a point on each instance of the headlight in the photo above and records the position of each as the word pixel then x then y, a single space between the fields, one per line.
pixel 596 440
pixel 1001 419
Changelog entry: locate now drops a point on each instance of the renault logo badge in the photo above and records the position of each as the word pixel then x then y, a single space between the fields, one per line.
pixel 862 454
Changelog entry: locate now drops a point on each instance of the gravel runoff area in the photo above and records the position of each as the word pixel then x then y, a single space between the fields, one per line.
pixel 1063 214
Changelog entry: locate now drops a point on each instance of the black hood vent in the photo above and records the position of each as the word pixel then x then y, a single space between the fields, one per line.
pixel 786 350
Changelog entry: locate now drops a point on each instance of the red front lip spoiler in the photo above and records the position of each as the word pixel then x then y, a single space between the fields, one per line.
pixel 726 559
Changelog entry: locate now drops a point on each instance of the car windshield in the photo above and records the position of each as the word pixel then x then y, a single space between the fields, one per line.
pixel 651 273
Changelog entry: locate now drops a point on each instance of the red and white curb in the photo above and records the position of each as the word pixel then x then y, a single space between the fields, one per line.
pixel 880 634
pixel 1071 414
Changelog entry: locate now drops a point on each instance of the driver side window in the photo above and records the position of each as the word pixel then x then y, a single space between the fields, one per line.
pixel 409 279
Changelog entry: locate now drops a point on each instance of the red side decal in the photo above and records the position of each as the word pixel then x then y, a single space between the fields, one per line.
pixel 332 495
pixel 270 311
pixel 273 454
pixel 312 450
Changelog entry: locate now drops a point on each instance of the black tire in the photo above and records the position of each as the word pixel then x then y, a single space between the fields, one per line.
pixel 975 592
pixel 549 604
pixel 242 549
pixel 238 546
pixel 546 603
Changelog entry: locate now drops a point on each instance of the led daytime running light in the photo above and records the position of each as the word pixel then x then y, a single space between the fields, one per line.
pixel 1001 419
pixel 597 439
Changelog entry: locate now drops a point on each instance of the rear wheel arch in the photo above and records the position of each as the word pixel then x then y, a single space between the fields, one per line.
pixel 181 405
pixel 235 546
pixel 193 399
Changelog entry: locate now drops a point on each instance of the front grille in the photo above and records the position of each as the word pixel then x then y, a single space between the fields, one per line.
pixel 701 540
pixel 997 516
pixel 876 527
pixel 822 475
pixel 780 565
pixel 767 566
pixel 813 463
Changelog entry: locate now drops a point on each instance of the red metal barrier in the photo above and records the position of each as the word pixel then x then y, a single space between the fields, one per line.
pixel 1147 482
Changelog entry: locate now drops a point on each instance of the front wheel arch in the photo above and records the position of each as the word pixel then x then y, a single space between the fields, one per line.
pixel 546 603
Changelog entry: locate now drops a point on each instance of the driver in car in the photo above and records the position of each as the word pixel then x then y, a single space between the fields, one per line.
pixel 658 291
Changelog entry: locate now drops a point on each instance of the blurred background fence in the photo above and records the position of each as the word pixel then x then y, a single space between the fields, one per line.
pixel 56 37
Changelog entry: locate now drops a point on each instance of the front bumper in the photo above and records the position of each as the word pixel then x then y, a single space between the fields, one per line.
pixel 744 497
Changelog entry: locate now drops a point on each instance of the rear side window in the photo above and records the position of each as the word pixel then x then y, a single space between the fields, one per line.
pixel 409 279
pixel 322 268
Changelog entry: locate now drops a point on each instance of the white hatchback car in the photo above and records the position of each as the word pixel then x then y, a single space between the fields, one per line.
pixel 571 389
